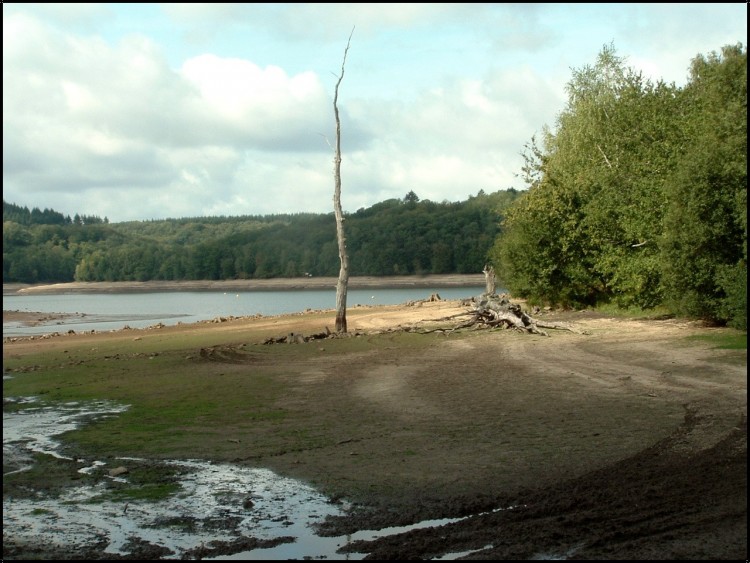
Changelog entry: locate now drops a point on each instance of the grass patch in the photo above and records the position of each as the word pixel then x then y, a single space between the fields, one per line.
pixel 216 396
pixel 633 312
pixel 725 339
pixel 50 473
pixel 149 492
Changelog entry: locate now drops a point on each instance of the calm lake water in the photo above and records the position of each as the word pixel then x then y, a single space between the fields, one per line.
pixel 108 311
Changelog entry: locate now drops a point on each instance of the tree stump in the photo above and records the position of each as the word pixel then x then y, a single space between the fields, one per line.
pixel 489 279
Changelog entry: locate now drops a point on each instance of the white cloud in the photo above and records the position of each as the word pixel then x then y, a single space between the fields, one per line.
pixel 259 107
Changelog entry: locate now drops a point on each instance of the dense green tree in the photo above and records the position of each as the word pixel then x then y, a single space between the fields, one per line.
pixel 593 195
pixel 411 198
pixel 705 239
pixel 639 194
pixel 15 235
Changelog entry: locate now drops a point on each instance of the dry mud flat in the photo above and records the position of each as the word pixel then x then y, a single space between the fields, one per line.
pixel 628 442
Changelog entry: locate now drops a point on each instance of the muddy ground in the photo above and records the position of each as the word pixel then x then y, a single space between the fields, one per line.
pixel 626 442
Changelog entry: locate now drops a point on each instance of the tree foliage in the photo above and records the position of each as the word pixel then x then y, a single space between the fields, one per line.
pixel 704 244
pixel 638 195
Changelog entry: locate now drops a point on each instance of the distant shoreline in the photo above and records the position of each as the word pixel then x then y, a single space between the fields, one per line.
pixel 274 284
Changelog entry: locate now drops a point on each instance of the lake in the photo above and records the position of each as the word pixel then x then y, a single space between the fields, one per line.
pixel 113 311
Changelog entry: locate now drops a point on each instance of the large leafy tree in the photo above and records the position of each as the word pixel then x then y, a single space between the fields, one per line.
pixel 639 194
pixel 586 230
pixel 705 238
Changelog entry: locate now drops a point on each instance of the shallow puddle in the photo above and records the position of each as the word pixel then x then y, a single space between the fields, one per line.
pixel 216 505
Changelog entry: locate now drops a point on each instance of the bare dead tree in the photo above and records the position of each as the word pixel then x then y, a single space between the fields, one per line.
pixel 343 281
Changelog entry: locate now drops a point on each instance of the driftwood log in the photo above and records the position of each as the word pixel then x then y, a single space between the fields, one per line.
pixel 497 311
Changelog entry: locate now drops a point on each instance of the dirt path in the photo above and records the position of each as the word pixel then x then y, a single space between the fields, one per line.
pixel 628 442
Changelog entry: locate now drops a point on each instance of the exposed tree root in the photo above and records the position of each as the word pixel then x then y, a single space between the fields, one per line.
pixel 496 311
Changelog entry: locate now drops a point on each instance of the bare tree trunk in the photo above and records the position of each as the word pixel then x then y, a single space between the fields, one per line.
pixel 489 279
pixel 343 281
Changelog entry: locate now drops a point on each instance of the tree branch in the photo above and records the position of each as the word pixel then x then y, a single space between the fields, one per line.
pixel 605 156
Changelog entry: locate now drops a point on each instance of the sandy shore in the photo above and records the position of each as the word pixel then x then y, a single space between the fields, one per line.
pixel 275 284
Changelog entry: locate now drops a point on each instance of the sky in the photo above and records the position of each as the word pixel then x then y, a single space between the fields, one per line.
pixel 155 111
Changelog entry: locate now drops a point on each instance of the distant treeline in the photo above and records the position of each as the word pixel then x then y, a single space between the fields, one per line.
pixel 394 237
pixel 36 216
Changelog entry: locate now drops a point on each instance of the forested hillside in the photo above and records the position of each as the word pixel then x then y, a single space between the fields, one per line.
pixel 638 195
pixel 394 237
